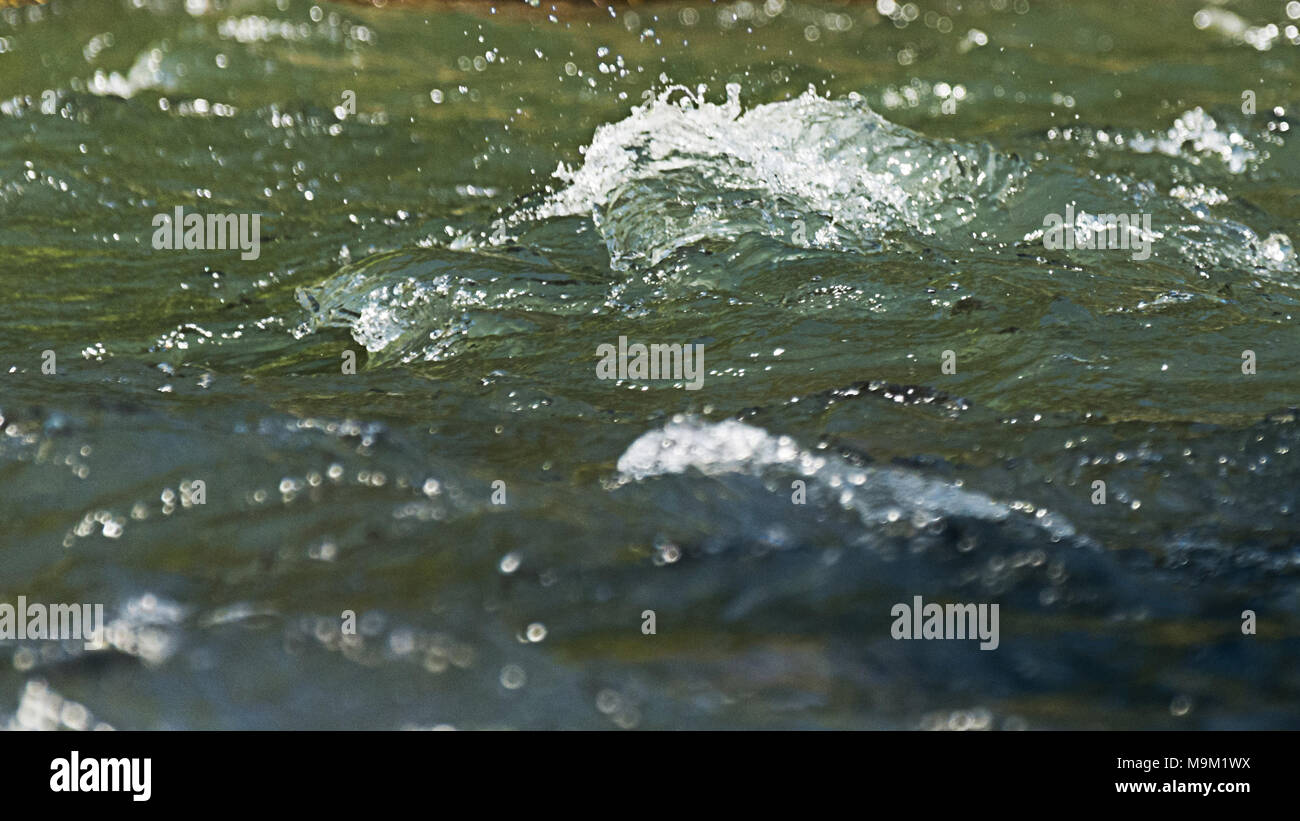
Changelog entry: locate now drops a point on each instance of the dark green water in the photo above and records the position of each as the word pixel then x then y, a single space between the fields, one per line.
pixel 826 246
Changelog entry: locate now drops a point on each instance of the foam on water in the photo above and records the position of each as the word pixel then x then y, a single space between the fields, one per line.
pixel 834 175
pixel 682 172
pixel 680 169
pixel 419 305
pixel 877 495
pixel 1196 134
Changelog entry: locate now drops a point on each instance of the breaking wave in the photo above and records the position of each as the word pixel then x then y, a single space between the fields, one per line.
pixel 878 495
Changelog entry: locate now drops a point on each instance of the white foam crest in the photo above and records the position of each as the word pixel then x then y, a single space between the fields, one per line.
pixel 1197 133
pixel 42 708
pixel 147 627
pixel 679 169
pixel 876 494
pixel 385 312
pixel 146 73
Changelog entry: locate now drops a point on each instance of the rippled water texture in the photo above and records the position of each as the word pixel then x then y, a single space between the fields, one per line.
pixel 470 199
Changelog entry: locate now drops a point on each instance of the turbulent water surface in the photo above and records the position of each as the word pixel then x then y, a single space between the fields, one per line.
pixel 472 198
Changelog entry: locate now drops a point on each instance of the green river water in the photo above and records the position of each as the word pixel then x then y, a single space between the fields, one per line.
pixel 472 198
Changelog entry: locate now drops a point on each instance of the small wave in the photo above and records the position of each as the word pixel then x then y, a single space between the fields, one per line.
pixel 680 169
pixel 815 173
pixel 878 495
pixel 832 174
pixel 419 305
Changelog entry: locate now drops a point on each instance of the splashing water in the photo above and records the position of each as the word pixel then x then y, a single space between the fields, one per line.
pixel 473 480
pixel 680 170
